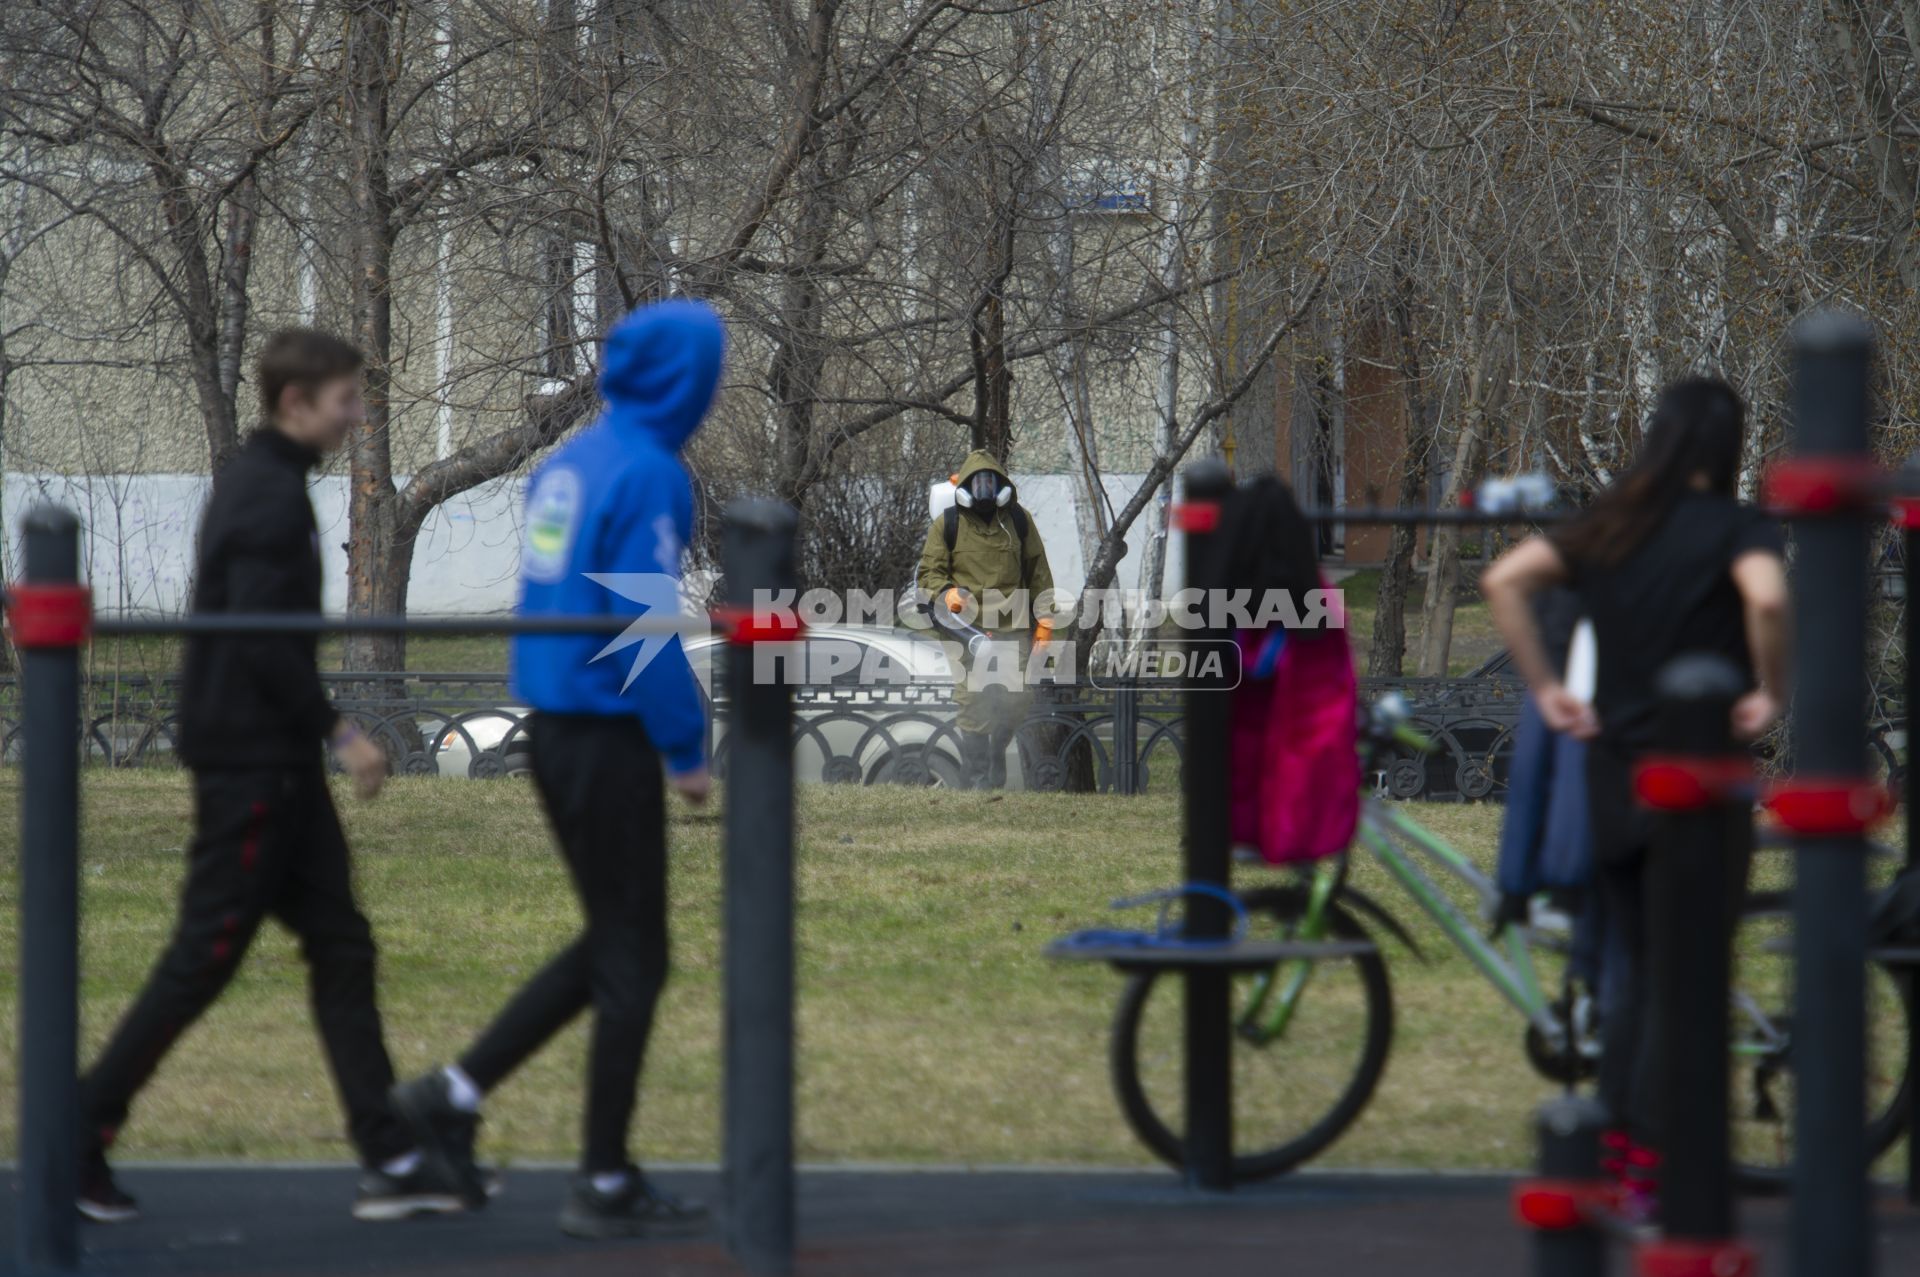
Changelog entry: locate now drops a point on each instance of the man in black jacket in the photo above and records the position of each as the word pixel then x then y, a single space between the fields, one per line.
pixel 267 840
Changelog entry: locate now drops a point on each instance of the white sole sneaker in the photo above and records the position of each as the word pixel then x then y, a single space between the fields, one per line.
pixel 106 1213
pixel 382 1209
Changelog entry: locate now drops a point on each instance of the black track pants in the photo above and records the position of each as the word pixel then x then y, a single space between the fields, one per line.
pixel 266 841
pixel 601 783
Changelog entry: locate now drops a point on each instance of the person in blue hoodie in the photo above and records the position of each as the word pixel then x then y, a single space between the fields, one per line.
pixel 607 518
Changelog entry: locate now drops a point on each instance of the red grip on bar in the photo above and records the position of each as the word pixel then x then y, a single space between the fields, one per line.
pixel 1669 1258
pixel 1811 806
pixel 1558 1205
pixel 1906 512
pixel 744 625
pixel 1667 783
pixel 1822 485
pixel 50 615
pixel 1196 516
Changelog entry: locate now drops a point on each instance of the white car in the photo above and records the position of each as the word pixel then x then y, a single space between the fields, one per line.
pixel 876 707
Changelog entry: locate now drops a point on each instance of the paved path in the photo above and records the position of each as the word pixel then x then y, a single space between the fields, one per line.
pixel 267 1222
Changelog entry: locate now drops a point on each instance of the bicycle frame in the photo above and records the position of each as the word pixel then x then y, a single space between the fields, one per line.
pixel 1434 874
pixel 1399 845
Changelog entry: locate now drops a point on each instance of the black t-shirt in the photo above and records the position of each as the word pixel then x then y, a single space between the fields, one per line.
pixel 1673 594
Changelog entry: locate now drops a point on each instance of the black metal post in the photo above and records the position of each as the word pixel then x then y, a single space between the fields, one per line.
pixel 1389 516
pixel 1699 854
pixel 1209 1040
pixel 1831 1213
pixel 1126 737
pixel 759 556
pixel 47 1230
pixel 1570 1243
pixel 1910 536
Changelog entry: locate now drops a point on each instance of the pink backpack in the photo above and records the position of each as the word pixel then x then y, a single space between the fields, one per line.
pixel 1294 748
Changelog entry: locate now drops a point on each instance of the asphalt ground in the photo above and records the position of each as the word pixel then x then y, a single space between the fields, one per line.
pixel 884 1222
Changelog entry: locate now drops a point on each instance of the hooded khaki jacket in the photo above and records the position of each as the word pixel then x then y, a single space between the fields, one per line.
pixel 986 552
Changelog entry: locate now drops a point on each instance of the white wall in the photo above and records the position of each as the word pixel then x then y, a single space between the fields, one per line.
pixel 1050 499
pixel 137 547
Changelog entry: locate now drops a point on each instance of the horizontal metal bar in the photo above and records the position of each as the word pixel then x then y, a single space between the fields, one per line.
pixel 1468 517
pixel 124 626
pixel 1388 516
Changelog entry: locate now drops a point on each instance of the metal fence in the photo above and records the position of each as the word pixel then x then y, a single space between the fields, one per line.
pixel 1120 740
pixel 50 616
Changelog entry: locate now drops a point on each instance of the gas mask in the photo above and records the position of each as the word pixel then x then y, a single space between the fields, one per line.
pixel 984 492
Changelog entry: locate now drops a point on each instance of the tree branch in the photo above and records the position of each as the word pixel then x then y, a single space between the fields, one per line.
pixel 1106 560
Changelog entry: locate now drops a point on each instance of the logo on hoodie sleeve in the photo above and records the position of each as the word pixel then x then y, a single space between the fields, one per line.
pixel 553 519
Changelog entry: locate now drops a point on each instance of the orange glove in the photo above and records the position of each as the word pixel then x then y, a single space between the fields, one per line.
pixel 1042 633
pixel 956 598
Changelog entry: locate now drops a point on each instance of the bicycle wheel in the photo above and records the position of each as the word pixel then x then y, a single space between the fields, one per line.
pixel 1762 1088
pixel 1294 1093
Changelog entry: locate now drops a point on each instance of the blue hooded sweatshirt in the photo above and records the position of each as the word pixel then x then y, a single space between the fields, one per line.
pixel 607 517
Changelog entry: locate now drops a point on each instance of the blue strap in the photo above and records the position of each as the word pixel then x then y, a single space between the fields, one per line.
pixel 1266 657
pixel 1167 934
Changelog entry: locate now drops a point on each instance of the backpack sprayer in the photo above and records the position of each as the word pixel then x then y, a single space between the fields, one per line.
pixel 946 501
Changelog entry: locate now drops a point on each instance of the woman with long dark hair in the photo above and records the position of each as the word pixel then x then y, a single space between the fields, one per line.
pixel 1667 561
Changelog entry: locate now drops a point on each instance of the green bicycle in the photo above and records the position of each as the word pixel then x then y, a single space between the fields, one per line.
pixel 1291 1104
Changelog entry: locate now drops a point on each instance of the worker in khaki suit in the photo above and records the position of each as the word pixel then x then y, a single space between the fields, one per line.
pixel 982 551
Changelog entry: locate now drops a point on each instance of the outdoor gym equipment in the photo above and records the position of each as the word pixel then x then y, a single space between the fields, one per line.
pixel 51 616
pixel 1832 490
pixel 1313 1032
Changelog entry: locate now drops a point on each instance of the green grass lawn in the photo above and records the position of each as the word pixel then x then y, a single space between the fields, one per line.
pixel 157 657
pixel 931 1028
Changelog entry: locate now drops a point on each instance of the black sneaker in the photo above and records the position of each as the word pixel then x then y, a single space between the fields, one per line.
pixel 101 1200
pixel 425 1190
pixel 446 1134
pixel 637 1209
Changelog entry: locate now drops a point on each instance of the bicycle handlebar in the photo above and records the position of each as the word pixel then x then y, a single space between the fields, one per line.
pixel 1419 742
pixel 1388 723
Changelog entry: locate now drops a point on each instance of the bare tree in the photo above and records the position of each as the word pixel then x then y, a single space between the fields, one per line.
pixel 1386 659
pixel 158 120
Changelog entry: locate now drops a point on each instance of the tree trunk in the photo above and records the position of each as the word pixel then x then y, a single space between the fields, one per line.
pixel 993 430
pixel 1089 510
pixel 381 535
pixel 1443 576
pixel 993 373
pixel 243 217
pixel 800 350
pixel 1076 416
pixel 1388 653
pixel 199 310
pixel 216 407
pixel 792 380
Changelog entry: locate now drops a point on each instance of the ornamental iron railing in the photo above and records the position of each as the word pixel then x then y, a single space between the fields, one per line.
pixel 469 726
